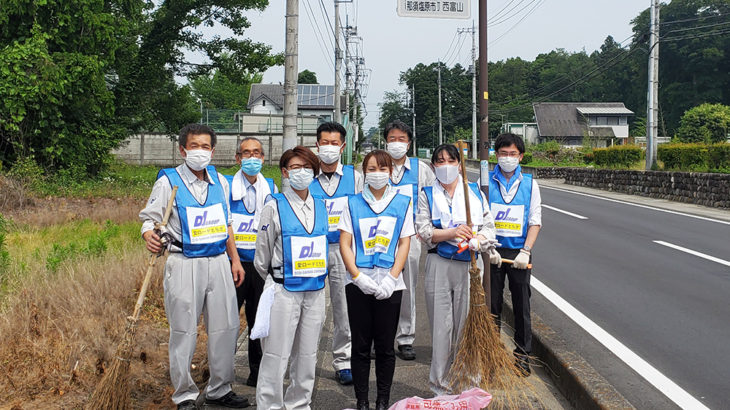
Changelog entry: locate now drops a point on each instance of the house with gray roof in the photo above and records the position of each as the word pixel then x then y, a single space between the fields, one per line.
pixel 312 100
pixel 570 123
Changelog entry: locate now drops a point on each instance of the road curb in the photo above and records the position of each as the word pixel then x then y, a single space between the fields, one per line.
pixel 576 379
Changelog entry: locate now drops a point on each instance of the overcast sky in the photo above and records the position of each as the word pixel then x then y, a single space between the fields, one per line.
pixel 392 44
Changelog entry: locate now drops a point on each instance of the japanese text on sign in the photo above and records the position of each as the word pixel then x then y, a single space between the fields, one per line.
pixel 435 9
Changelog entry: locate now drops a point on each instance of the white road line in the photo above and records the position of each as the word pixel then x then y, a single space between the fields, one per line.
pixel 565 212
pixel 638 205
pixel 695 253
pixel 647 371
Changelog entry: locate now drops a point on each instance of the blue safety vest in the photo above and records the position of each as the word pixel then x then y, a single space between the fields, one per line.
pixel 244 230
pixel 446 249
pixel 375 234
pixel 305 253
pixel 511 218
pixel 335 206
pixel 410 177
pixel 207 234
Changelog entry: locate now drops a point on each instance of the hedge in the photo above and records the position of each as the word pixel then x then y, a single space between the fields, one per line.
pixel 695 156
pixel 618 156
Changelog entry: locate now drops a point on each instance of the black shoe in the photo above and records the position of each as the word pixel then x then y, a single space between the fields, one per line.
pixel 363 405
pixel 407 352
pixel 381 404
pixel 251 381
pixel 522 362
pixel 186 405
pixel 230 400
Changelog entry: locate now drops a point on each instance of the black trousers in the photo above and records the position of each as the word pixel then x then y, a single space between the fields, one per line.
pixel 519 286
pixel 249 294
pixel 372 321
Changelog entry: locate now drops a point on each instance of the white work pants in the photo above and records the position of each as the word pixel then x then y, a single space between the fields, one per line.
pixel 194 286
pixel 447 304
pixel 407 321
pixel 341 344
pixel 296 322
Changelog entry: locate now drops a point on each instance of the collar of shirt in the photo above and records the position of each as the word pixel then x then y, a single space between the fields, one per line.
pixel 500 178
pixel 398 170
pixel 297 203
pixel 240 185
pixel 338 170
pixel 190 178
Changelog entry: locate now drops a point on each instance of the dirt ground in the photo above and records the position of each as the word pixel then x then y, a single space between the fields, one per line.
pixel 50 361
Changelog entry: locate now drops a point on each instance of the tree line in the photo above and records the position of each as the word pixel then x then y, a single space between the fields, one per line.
pixel 694 69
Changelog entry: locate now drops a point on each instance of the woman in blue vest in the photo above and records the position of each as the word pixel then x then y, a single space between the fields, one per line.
pixel 375 236
pixel 441 224
pixel 291 254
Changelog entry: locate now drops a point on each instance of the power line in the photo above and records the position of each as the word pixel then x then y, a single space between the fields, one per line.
pixel 693 36
pixel 506 18
pixel 317 34
pixel 532 10
pixel 496 15
pixel 725 23
pixel 666 23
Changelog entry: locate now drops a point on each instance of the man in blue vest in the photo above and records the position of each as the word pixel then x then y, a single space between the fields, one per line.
pixel 335 183
pixel 515 201
pixel 249 190
pixel 409 176
pixel 198 276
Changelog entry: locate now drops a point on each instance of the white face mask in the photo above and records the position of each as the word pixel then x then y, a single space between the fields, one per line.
pixel 397 149
pixel 197 159
pixel 300 179
pixel 329 154
pixel 446 174
pixel 508 164
pixel 377 180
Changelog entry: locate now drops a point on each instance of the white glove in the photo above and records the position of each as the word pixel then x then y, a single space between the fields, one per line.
pixel 365 283
pixel 494 257
pixel 387 286
pixel 474 245
pixel 522 259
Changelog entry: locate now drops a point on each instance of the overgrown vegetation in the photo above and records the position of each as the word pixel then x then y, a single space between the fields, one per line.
pixel 695 157
pixel 619 156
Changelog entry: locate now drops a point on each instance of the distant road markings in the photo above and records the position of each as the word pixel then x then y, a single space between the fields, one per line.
pixel 695 253
pixel 720 221
pixel 641 366
pixel 564 212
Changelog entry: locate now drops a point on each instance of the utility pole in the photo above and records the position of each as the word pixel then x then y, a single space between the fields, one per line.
pixel 291 66
pixel 413 107
pixel 441 139
pixel 473 69
pixel 338 64
pixel 652 104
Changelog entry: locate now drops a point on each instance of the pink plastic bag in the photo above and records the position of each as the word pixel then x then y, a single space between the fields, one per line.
pixel 472 399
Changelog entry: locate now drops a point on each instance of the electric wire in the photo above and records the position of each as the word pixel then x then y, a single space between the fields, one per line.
pixel 506 18
pixel 317 34
pixel 532 10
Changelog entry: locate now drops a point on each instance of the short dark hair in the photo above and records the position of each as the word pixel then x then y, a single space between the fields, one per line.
pixel 398 125
pixel 238 148
pixel 382 158
pixel 449 148
pixel 302 152
pixel 195 129
pixel 507 139
pixel 331 127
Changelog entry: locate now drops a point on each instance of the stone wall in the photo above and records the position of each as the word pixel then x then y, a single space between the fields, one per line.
pixel 160 150
pixel 707 189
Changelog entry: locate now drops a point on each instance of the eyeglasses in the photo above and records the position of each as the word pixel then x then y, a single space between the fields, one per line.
pixel 248 154
pixel 297 166
pixel 512 154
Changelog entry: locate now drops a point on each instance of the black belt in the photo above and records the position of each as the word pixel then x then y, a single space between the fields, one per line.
pixel 276 280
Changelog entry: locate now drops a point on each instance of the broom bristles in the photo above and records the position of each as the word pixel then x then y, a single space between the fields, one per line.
pixel 482 359
pixel 112 392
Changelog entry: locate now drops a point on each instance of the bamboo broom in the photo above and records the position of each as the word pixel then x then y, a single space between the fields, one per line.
pixel 112 392
pixel 482 359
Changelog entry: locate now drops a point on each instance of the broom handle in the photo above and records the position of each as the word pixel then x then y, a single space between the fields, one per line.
pixel 465 185
pixel 510 261
pixel 151 262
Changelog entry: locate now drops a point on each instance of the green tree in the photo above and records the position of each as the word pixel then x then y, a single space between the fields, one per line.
pixel 393 107
pixel 218 91
pixel 706 123
pixel 307 77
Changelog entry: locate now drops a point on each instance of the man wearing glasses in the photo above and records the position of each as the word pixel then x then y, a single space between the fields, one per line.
pixel 514 200
pixel 249 190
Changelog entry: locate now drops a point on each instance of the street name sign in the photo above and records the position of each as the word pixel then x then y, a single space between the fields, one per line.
pixel 459 9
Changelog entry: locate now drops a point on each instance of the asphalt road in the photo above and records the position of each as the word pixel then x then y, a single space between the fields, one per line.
pixel 668 307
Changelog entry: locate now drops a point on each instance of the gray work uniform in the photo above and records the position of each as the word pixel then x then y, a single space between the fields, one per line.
pixel 296 317
pixel 447 290
pixel 406 334
pixel 341 330
pixel 193 286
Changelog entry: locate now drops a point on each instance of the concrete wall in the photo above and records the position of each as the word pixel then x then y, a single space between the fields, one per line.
pixel 160 150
